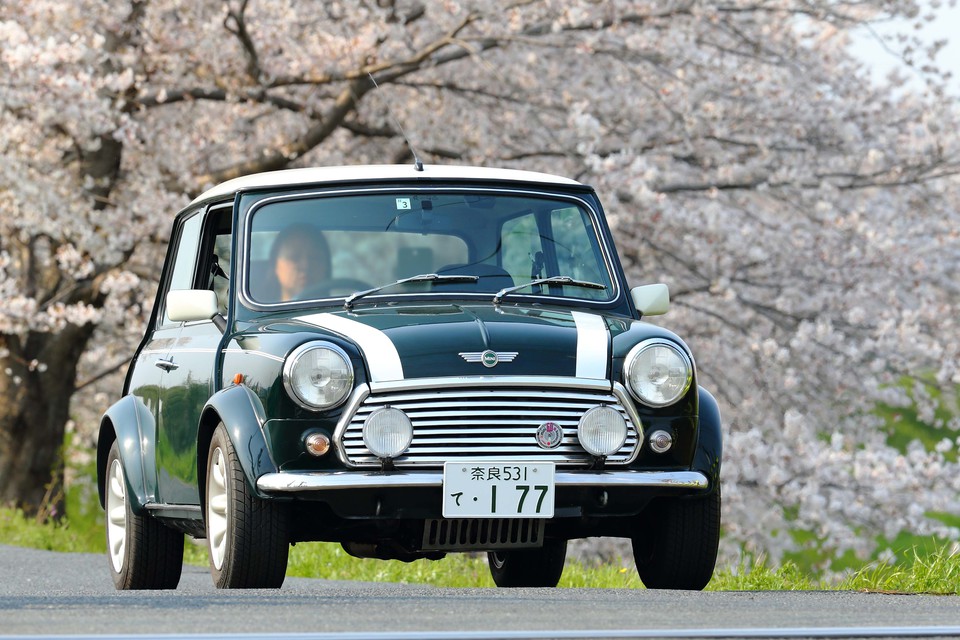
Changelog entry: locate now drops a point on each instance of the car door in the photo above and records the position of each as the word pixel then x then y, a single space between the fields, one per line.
pixel 189 381
pixel 154 359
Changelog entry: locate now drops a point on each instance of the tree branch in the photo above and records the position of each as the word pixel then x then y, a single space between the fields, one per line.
pixel 235 22
pixel 102 374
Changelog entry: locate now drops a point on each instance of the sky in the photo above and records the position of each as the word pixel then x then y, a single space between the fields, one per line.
pixel 946 26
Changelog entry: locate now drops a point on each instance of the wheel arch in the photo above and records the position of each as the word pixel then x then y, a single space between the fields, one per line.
pixel 242 413
pixel 126 422
pixel 709 452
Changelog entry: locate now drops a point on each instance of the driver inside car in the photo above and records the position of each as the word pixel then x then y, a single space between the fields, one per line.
pixel 301 258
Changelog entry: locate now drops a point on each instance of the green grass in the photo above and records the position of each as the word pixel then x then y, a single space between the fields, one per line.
pixel 22 531
pixel 930 569
pixel 937 572
pixel 330 561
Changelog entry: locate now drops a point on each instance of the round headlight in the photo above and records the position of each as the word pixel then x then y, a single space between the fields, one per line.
pixel 658 373
pixel 387 432
pixel 602 431
pixel 318 376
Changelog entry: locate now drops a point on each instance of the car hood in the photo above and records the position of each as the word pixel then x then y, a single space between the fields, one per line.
pixel 400 343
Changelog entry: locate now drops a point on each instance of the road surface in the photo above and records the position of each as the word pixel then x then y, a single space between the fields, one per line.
pixel 51 594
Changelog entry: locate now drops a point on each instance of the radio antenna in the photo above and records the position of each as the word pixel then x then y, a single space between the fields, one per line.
pixel 417 164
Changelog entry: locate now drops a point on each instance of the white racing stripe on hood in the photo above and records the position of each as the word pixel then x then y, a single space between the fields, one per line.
pixel 592 344
pixel 378 350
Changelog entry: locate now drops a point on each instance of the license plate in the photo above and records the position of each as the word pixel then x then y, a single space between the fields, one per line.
pixel 498 490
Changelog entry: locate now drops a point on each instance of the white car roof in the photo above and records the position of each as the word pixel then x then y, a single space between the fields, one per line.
pixel 310 175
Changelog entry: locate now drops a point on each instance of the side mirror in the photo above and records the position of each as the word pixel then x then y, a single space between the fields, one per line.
pixel 651 299
pixel 191 305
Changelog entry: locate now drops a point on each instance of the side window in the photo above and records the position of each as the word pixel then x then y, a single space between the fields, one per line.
pixel 220 270
pixel 216 255
pixel 184 260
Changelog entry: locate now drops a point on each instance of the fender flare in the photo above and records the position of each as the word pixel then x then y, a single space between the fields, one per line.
pixel 243 415
pixel 129 422
pixel 709 454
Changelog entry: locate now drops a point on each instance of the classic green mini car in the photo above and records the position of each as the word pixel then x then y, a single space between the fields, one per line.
pixel 409 361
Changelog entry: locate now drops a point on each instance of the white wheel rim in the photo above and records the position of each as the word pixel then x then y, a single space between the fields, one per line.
pixel 116 515
pixel 217 509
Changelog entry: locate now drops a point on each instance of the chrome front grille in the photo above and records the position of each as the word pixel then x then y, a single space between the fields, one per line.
pixel 486 422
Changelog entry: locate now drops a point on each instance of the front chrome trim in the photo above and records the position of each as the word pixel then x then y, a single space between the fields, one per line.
pixel 284 482
pixel 446 382
pixel 626 401
pixel 479 436
pixel 359 395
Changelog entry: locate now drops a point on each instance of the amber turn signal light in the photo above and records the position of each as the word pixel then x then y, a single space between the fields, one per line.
pixel 317 444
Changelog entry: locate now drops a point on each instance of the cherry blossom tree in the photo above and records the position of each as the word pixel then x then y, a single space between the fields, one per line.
pixel 804 217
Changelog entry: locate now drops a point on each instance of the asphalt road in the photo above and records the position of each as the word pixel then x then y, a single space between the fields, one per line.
pixel 45 593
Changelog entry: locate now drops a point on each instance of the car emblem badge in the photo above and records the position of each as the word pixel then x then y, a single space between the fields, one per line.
pixel 488 358
pixel 549 435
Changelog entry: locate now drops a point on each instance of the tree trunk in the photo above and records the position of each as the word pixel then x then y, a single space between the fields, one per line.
pixel 37 379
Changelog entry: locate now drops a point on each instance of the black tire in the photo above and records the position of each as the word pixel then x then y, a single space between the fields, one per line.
pixel 676 544
pixel 529 567
pixel 142 552
pixel 246 536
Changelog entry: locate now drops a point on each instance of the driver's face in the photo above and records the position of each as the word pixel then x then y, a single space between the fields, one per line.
pixel 299 263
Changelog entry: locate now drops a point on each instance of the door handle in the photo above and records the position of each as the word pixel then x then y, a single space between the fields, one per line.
pixel 167 365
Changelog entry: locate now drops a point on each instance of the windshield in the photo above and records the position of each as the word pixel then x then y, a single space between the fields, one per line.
pixel 335 246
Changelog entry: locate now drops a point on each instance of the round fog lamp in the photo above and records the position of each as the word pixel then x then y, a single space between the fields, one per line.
pixel 602 431
pixel 387 432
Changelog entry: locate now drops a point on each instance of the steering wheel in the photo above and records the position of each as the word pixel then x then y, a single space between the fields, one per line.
pixel 335 287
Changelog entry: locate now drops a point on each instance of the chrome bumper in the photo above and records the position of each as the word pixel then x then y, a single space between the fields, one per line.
pixel 339 480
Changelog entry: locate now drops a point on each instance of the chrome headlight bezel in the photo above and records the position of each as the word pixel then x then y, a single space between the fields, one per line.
pixel 293 369
pixel 681 383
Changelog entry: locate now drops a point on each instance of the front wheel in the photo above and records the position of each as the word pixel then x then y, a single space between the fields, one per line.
pixel 247 536
pixel 529 567
pixel 144 553
pixel 676 546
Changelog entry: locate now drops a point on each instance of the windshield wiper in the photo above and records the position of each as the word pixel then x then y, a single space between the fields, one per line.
pixel 423 277
pixel 497 299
